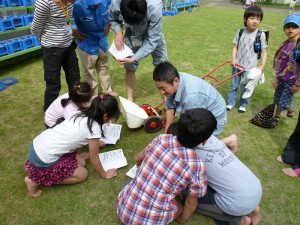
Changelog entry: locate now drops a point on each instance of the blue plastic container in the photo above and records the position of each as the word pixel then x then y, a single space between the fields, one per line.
pixel 8 3
pixel 26 2
pixel 14 45
pixel 26 41
pixel 4 50
pixel 16 3
pixel 18 21
pixel 35 40
pixel 6 24
pixel 27 19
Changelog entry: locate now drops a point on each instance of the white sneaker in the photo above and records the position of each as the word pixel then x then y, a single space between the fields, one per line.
pixel 229 107
pixel 242 109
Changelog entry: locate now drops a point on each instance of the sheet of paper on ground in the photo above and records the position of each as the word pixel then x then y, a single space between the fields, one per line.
pixel 112 133
pixel 113 159
pixel 131 173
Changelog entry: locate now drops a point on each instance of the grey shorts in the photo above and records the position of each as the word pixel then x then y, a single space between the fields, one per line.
pixel 207 206
pixel 158 55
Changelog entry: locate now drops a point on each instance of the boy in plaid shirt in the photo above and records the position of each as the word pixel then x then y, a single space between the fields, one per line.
pixel 167 166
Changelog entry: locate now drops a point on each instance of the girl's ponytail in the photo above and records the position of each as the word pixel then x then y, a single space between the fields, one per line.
pixel 79 93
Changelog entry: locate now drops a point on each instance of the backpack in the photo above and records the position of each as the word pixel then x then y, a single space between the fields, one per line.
pixel 296 53
pixel 257 42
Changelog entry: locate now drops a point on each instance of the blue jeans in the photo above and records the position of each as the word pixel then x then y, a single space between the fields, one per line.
pixel 235 83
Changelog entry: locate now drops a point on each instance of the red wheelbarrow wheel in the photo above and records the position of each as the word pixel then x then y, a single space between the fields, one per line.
pixel 153 124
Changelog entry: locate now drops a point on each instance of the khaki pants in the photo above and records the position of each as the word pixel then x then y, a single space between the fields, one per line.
pixel 98 64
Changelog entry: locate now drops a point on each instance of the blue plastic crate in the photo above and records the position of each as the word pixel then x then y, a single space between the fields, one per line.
pixel 3 3
pixel 8 3
pixel 4 50
pixel 35 40
pixel 26 41
pixel 6 24
pixel 27 19
pixel 14 45
pixel 16 2
pixel 18 21
pixel 26 2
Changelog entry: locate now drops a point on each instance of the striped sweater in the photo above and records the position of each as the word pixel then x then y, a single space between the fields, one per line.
pixel 50 24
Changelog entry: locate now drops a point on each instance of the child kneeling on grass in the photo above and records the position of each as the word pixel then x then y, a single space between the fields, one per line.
pixel 233 192
pixel 167 166
pixel 79 97
pixel 53 155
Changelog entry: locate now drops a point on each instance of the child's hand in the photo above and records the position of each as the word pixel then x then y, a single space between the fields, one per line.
pixel 110 173
pixel 295 88
pixel 233 62
pixel 275 83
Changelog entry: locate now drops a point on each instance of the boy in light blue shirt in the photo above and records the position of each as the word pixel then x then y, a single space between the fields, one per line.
pixel 185 91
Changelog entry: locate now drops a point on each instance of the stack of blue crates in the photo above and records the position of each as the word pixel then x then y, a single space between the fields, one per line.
pixel 18 44
pixel 12 3
pixel 11 22
pixel 176 5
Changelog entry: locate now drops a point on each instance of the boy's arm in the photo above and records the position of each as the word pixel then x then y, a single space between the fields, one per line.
pixel 233 55
pixel 170 114
pixel 263 59
pixel 188 209
pixel 139 157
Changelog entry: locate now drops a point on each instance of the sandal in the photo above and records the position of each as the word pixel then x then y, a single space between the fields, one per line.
pixel 290 114
pixel 276 120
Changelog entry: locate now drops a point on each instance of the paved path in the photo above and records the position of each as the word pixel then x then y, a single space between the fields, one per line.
pixel 238 4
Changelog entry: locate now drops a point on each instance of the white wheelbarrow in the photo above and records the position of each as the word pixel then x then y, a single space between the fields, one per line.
pixel 145 115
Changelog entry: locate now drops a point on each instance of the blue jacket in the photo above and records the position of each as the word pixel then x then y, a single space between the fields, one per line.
pixel 92 23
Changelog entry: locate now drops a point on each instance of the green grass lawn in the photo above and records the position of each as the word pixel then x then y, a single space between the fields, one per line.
pixel 197 42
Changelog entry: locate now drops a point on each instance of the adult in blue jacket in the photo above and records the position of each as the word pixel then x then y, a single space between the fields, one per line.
pixel 92 21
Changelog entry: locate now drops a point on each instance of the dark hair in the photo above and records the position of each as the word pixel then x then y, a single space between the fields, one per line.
pixel 133 11
pixel 79 93
pixel 101 105
pixel 194 127
pixel 165 71
pixel 253 11
pixel 172 129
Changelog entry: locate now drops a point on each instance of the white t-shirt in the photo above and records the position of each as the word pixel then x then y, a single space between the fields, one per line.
pixel 56 110
pixel 64 138
pixel 245 53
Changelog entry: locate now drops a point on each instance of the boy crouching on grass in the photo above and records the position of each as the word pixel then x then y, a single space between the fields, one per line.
pixel 168 166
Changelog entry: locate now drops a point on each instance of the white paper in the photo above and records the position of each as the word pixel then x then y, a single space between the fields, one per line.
pixel 126 52
pixel 112 133
pixel 132 172
pixel 113 159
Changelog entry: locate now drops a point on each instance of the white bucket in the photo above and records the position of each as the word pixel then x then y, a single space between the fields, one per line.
pixel 134 115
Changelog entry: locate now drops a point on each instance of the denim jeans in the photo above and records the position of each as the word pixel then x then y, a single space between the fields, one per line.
pixel 54 58
pixel 235 83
